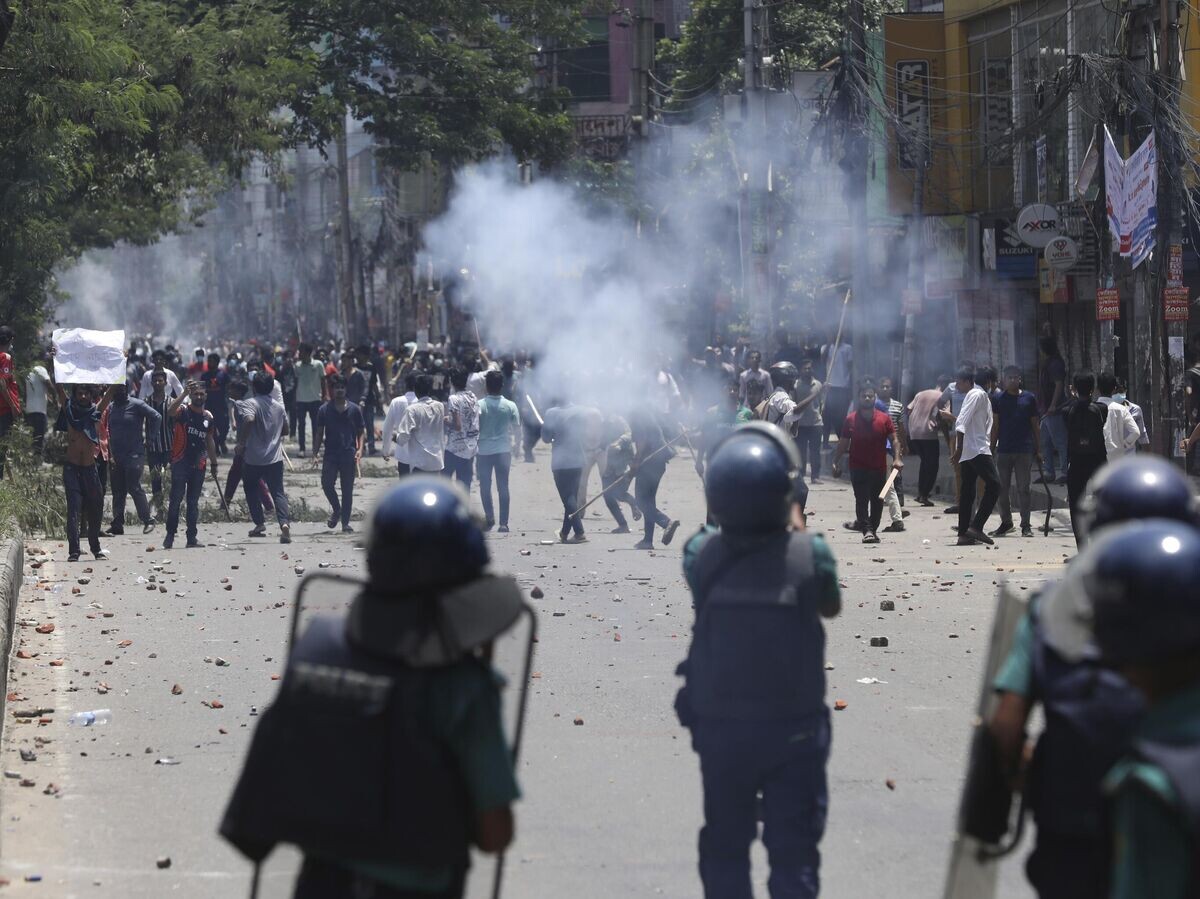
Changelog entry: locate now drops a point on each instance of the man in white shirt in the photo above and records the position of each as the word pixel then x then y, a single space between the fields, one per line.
pixel 973 454
pixel 174 387
pixel 396 411
pixel 754 374
pixel 421 432
pixel 37 385
pixel 1121 432
pixel 782 410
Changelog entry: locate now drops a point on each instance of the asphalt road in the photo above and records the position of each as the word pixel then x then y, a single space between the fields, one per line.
pixel 611 806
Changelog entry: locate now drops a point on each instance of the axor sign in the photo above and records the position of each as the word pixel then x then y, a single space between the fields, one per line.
pixel 1061 252
pixel 1038 224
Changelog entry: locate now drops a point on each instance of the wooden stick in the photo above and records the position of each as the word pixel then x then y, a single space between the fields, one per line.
pixel 624 478
pixel 836 344
pixel 287 459
pixel 888 484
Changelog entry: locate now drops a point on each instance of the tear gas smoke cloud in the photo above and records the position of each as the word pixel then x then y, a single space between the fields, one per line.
pixel 568 283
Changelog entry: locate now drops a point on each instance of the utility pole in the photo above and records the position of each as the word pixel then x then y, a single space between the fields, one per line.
pixel 642 62
pixel 916 270
pixel 345 243
pixel 855 165
pixel 1155 376
pixel 756 242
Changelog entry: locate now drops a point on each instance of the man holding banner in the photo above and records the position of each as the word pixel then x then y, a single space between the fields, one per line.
pixel 84 358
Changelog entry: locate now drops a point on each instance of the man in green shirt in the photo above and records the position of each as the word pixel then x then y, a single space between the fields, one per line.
pixel 499 421
pixel 310 390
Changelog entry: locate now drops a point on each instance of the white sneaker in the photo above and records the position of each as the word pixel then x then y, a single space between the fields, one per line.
pixel 103 554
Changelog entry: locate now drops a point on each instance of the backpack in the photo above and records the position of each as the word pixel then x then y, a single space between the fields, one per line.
pixel 1085 429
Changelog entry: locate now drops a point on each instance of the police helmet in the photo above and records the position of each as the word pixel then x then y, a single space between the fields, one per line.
pixel 1133 594
pixel 423 536
pixel 753 478
pixel 1135 487
pixel 783 374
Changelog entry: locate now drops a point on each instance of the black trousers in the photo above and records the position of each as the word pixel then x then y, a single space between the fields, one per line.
pixel 326 880
pixel 332 471
pixel 462 470
pixel 127 481
pixel 1079 471
pixel 930 454
pixel 1064 867
pixel 808 441
pixel 645 489
pixel 6 424
pixel 187 483
pixel 982 467
pixel 306 410
pixel 272 475
pixel 82 487
pixel 567 482
pixel 868 507
pixel 37 424
pixel 616 496
pixel 533 433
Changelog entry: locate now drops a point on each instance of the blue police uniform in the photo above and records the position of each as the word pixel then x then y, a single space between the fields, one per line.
pixel 754 699
pixel 1091 713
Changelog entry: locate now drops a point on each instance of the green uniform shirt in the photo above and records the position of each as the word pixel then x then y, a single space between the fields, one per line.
pixel 1153 844
pixel 1016 673
pixel 823 564
pixel 466 716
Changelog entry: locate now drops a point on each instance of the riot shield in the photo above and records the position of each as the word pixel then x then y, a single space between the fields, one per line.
pixel 511 653
pixel 986 804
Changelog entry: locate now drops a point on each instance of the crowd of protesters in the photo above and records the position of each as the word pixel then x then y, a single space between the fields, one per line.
pixel 456 410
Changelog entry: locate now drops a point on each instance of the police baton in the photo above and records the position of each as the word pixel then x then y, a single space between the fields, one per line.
pixel 221 494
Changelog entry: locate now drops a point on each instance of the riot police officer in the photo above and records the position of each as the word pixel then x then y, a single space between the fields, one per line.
pixel 1136 599
pixel 1090 711
pixel 383 757
pixel 754 694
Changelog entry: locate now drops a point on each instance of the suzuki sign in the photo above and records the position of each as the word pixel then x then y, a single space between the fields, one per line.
pixel 1038 224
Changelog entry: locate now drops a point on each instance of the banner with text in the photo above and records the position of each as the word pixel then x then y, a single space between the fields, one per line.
pixel 1108 304
pixel 1131 197
pixel 88 357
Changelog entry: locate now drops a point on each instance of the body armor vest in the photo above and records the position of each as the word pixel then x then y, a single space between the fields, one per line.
pixel 758 647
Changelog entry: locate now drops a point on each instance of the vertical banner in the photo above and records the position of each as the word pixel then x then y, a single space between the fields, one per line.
pixel 1131 197
pixel 1108 304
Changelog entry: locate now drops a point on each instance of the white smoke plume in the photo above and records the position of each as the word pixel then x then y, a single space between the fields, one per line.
pixel 544 272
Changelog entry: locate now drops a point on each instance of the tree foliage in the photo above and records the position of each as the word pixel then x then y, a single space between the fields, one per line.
pixel 802 36
pixel 121 118
pixel 117 119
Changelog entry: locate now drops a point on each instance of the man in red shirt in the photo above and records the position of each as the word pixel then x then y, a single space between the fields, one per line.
pixel 865 435
pixel 10 398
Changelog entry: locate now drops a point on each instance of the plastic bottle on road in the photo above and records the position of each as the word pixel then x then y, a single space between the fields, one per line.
pixel 87 719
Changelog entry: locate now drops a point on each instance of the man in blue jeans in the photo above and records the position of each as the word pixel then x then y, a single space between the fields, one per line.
pixel 340 424
pixel 193 448
pixel 1052 400
pixel 260 443
pixel 499 420
pixel 128 419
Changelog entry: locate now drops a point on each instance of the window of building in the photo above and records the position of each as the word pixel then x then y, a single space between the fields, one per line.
pixel 585 70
